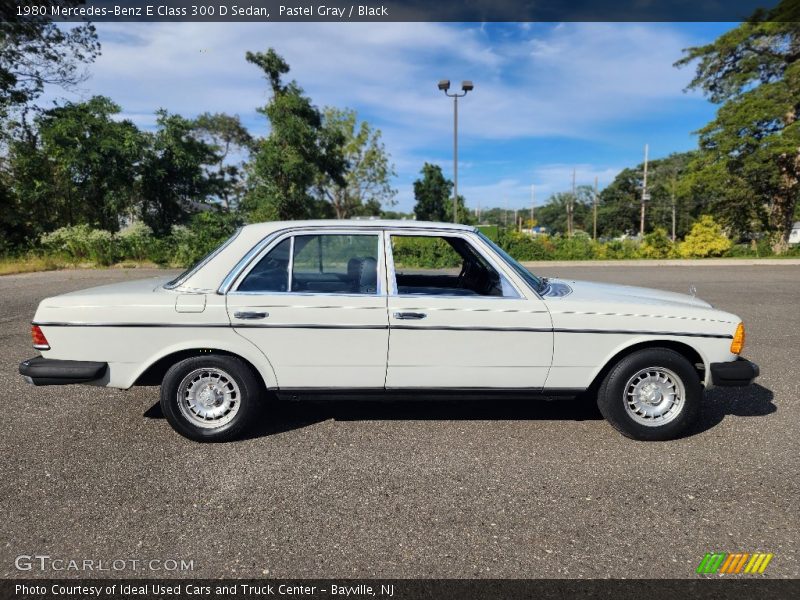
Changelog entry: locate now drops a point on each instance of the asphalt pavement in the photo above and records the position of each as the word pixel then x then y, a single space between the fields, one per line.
pixel 407 489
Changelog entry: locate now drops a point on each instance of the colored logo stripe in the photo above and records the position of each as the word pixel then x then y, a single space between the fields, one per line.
pixel 723 562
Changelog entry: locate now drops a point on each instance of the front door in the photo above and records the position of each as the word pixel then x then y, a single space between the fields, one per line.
pixel 457 321
pixel 314 303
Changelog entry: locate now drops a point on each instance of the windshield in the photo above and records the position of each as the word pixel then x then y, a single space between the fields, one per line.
pixel 532 280
pixel 196 266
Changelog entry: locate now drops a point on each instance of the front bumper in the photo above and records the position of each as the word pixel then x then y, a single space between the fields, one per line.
pixel 736 373
pixel 47 371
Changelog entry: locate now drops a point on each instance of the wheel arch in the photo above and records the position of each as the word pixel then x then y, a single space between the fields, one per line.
pixel 687 351
pixel 154 373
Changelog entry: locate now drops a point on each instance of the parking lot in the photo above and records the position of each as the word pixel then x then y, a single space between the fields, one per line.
pixel 410 489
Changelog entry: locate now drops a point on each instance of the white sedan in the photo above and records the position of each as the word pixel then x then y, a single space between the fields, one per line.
pixel 379 308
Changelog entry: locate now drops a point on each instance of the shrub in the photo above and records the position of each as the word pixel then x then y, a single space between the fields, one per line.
pixel 424 252
pixel 578 247
pixel 135 241
pixel 621 249
pixel 101 247
pixel 71 242
pixel 526 247
pixel 705 239
pixel 742 250
pixel 205 232
pixel 82 243
pixel 656 245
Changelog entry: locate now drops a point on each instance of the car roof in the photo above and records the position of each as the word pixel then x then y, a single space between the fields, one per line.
pixel 267 227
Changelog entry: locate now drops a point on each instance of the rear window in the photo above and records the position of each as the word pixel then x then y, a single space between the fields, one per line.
pixel 196 266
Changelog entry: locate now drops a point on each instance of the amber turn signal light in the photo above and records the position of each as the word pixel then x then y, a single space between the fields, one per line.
pixel 737 345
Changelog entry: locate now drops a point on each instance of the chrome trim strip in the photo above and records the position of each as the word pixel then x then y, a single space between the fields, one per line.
pixel 290 266
pixel 77 324
pixel 431 327
pixel 469 328
pixel 644 332
pixel 303 326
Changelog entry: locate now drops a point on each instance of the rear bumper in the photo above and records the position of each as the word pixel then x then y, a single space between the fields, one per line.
pixel 737 373
pixel 46 371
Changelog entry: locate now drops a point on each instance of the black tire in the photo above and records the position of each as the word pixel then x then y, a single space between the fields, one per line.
pixel 612 397
pixel 233 388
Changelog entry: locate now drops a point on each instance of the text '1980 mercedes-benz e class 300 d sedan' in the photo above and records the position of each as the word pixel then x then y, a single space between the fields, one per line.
pixel 333 308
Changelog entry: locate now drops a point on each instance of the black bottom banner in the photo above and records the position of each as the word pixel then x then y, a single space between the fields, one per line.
pixel 401 589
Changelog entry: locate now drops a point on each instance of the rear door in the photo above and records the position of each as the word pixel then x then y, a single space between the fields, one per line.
pixel 314 303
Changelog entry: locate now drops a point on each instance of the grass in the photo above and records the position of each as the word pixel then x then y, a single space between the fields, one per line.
pixel 33 264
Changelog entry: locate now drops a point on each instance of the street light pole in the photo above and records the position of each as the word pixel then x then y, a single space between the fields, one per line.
pixel 455 158
pixel 466 86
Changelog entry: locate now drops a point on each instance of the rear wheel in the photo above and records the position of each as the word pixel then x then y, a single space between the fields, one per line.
pixel 652 394
pixel 209 398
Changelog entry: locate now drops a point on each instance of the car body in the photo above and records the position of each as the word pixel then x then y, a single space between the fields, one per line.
pixel 310 308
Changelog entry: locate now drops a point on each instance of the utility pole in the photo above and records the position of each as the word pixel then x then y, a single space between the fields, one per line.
pixel 594 210
pixel 516 220
pixel 533 203
pixel 645 195
pixel 505 210
pixel 571 206
pixel 672 186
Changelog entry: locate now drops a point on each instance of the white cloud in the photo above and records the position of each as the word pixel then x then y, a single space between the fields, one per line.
pixel 548 179
pixel 573 80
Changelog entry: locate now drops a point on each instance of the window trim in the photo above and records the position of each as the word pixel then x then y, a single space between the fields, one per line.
pixel 391 272
pixel 252 258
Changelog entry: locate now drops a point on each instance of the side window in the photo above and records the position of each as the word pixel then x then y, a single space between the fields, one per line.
pixel 444 266
pixel 271 274
pixel 335 264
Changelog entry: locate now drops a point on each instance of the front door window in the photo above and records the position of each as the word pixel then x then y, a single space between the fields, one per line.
pixel 445 266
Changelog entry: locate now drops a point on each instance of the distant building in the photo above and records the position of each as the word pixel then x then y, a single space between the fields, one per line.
pixel 794 234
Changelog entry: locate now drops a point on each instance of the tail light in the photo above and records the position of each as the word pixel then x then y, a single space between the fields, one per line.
pixel 737 345
pixel 39 341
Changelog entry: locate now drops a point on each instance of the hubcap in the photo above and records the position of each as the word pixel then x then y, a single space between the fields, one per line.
pixel 654 396
pixel 209 397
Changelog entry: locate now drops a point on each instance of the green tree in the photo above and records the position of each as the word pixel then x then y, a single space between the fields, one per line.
pixel 553 214
pixel 174 179
pixel 35 52
pixel 619 206
pixel 77 166
pixel 753 71
pixel 619 209
pixel 298 152
pixel 433 195
pixel 367 175
pixel 227 136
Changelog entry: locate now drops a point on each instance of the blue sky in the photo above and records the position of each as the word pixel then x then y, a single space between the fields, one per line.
pixel 548 97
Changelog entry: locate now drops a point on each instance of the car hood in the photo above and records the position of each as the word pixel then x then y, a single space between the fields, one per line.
pixel 585 304
pixel 590 291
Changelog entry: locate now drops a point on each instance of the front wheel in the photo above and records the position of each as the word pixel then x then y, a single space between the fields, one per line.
pixel 652 394
pixel 209 398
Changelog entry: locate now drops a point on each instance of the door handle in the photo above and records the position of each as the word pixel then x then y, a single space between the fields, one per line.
pixel 250 315
pixel 408 316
